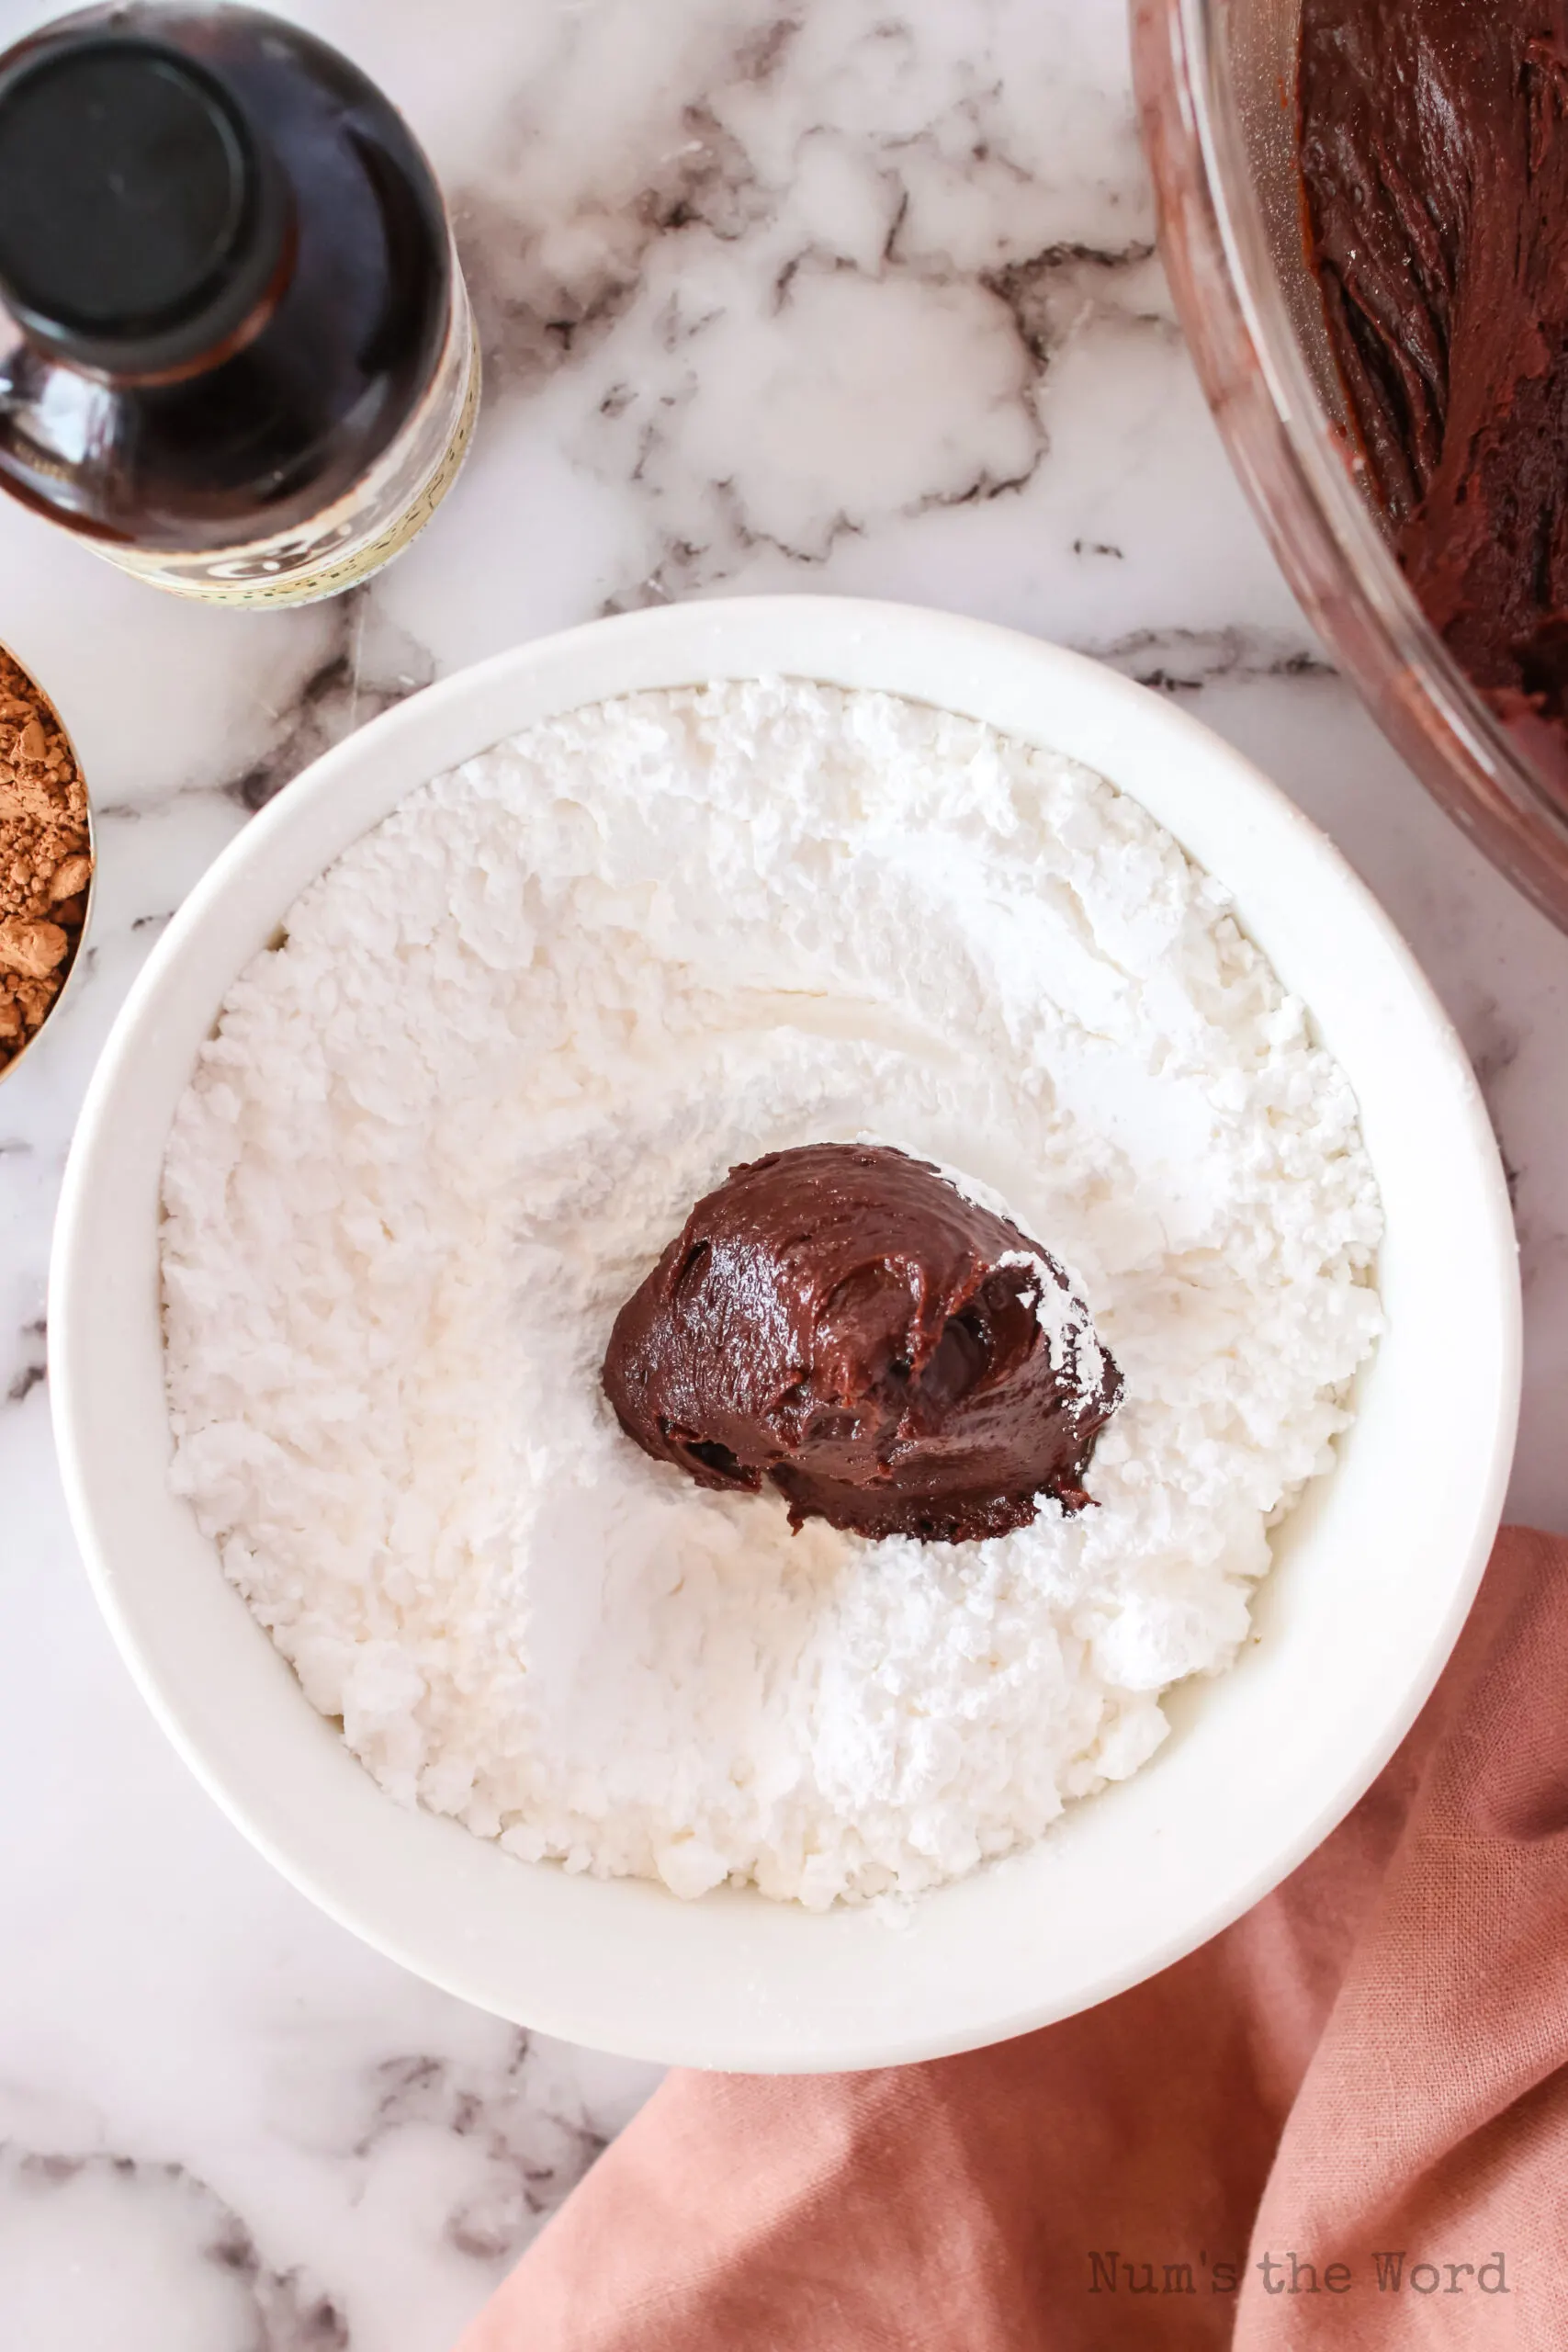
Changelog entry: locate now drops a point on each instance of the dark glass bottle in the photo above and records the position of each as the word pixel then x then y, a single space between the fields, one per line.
pixel 236 354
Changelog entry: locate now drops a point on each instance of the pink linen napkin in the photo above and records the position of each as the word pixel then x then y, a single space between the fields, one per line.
pixel 1343 2122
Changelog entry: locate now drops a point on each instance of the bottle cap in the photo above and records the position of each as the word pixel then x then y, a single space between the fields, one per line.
pixel 141 221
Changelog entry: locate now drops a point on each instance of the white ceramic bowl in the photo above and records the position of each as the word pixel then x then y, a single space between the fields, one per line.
pixel 1374 1572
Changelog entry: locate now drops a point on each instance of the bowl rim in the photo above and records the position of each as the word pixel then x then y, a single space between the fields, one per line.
pixel 752 2026
pixel 1298 468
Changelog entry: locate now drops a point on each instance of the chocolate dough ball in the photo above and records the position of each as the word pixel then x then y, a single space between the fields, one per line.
pixel 895 1358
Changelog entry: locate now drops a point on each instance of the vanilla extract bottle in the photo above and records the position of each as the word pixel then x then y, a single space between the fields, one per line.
pixel 236 353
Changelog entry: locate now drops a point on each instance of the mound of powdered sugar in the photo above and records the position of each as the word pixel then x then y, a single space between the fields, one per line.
pixel 445 1129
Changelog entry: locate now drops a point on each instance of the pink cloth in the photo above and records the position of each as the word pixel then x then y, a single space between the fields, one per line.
pixel 1343 2122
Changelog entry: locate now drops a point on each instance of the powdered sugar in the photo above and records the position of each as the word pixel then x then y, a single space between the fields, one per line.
pixel 443 1131
pixel 1071 1346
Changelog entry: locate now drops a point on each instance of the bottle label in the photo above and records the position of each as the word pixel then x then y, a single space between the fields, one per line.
pixel 368 526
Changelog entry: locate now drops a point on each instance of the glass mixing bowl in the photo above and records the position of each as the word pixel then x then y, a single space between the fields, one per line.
pixel 1216 94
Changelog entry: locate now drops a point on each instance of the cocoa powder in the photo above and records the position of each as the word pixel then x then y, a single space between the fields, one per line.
pixel 45 859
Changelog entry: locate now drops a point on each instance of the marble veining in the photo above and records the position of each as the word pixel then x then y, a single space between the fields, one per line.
pixel 837 295
pixel 51 2205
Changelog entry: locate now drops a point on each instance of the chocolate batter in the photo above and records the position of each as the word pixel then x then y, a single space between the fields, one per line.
pixel 842 1322
pixel 1434 148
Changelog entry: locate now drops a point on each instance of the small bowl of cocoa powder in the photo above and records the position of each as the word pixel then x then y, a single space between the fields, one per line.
pixel 47 860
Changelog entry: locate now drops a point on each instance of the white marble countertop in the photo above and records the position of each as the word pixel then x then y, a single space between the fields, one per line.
pixel 775 294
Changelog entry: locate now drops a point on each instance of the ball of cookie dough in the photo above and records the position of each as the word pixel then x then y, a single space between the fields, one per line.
pixel 844 1323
